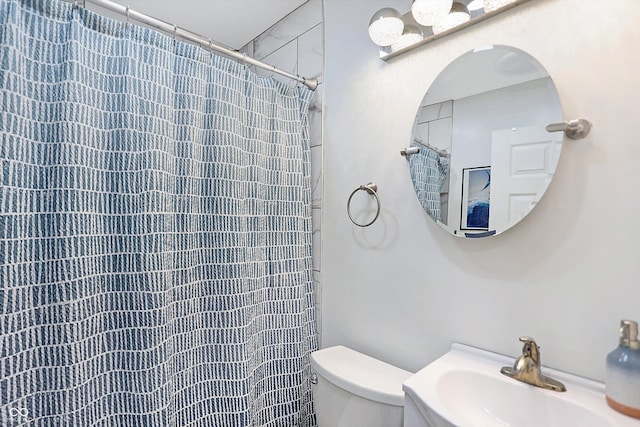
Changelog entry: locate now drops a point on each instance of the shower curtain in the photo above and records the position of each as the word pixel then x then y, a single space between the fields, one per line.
pixel 155 230
pixel 429 171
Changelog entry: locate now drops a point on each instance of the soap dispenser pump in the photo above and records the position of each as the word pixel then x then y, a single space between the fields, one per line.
pixel 622 384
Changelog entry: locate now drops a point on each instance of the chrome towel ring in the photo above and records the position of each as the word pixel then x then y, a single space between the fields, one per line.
pixel 372 189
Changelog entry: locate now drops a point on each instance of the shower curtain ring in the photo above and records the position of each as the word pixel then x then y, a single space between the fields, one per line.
pixel 247 64
pixel 295 84
pixel 175 31
pixel 128 22
pixel 244 61
pixel 211 48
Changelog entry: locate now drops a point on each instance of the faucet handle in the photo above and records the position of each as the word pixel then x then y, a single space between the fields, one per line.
pixel 530 348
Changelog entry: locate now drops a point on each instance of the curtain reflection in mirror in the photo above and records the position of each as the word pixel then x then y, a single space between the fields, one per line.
pixel 429 173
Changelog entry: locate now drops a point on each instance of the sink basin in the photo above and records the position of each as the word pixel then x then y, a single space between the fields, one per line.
pixel 465 388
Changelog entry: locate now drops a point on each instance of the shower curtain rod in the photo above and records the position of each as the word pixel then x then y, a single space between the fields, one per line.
pixel 197 39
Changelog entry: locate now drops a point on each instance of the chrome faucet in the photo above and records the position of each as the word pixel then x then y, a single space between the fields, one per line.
pixel 527 368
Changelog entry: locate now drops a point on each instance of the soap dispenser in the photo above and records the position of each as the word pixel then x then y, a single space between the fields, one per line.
pixel 622 382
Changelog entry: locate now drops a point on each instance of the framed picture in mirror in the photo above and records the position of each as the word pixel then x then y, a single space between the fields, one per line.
pixel 476 198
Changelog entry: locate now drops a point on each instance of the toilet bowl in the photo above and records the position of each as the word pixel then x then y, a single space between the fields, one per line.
pixel 354 390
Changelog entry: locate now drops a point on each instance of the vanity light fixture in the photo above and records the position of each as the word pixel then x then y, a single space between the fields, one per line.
pixel 429 20
pixel 458 15
pixel 385 26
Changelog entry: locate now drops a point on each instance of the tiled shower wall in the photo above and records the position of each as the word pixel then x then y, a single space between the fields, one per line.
pixel 296 44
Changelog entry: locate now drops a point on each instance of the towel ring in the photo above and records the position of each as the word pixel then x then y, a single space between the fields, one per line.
pixel 370 188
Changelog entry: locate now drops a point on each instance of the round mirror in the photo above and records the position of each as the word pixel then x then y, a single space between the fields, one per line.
pixel 480 156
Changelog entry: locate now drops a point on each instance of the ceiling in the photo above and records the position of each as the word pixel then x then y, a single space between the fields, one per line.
pixel 482 70
pixel 232 23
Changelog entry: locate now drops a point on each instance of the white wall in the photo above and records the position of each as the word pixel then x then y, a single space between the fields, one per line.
pixel 403 290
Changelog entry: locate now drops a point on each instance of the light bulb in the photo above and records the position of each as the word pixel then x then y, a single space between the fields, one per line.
pixel 410 35
pixel 385 26
pixel 428 12
pixel 458 15
pixel 491 5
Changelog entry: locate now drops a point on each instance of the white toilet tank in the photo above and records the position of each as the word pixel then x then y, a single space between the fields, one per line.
pixel 355 390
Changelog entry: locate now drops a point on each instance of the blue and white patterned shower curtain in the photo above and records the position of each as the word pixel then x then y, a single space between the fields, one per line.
pixel 155 230
pixel 429 171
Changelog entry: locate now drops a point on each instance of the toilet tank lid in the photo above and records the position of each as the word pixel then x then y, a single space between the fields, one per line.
pixel 360 374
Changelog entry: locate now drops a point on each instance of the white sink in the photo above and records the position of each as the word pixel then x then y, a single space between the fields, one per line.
pixel 465 388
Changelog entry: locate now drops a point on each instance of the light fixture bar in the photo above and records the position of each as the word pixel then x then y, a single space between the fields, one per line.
pixel 472 21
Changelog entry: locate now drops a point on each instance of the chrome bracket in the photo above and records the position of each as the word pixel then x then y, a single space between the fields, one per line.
pixel 406 152
pixel 574 129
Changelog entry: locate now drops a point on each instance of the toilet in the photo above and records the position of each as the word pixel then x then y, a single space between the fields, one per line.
pixel 351 389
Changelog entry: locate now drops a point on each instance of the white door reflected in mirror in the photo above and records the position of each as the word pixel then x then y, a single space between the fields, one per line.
pixel 523 161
